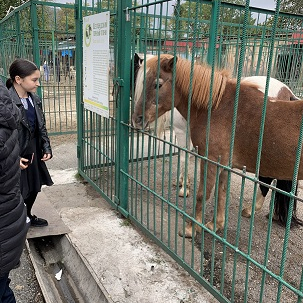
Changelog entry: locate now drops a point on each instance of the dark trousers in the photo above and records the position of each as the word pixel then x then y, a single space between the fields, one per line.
pixel 6 294
pixel 29 202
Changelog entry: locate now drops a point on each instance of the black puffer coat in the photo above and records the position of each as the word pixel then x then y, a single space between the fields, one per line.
pixel 13 226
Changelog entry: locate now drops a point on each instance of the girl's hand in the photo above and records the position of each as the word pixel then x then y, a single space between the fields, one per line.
pixel 24 163
pixel 46 157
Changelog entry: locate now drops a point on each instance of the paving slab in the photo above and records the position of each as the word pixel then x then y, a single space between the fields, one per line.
pixel 44 209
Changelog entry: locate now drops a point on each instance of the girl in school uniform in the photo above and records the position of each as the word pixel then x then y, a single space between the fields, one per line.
pixel 34 142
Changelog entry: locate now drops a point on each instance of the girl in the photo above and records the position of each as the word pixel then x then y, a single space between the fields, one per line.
pixel 34 142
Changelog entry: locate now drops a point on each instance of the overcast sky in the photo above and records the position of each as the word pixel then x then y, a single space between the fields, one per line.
pixel 268 4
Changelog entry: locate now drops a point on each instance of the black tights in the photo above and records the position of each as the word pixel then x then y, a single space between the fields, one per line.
pixel 29 201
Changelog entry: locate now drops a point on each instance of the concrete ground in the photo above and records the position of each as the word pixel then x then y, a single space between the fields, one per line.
pixel 126 265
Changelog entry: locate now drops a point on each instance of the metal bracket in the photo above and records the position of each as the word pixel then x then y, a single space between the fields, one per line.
pixel 127 15
pixel 118 82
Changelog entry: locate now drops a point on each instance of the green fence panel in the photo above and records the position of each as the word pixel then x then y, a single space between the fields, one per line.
pixel 248 261
pixel 138 173
pixel 44 32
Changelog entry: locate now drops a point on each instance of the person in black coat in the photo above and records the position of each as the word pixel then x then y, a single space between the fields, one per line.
pixel 34 142
pixel 13 219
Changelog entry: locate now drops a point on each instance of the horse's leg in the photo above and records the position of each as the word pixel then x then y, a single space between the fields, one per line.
pixel 183 181
pixel 282 204
pixel 183 141
pixel 220 218
pixel 211 177
pixel 262 191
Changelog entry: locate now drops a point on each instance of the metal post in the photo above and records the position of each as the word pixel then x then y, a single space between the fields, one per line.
pixel 79 91
pixel 213 32
pixel 122 102
pixel 35 39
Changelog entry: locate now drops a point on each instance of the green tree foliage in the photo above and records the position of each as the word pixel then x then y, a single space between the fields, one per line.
pixel 5 5
pixel 288 22
pixel 108 5
pixel 66 20
pixel 292 6
pixel 193 19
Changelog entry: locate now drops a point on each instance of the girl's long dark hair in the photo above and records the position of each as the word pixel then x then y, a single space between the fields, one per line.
pixel 22 68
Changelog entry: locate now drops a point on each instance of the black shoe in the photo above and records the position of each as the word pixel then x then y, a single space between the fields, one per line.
pixel 38 222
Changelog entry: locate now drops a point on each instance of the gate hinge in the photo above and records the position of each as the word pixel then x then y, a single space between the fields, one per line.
pixel 127 16
pixel 118 82
pixel 116 200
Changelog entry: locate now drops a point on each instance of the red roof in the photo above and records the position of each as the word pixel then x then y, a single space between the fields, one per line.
pixel 182 44
pixel 296 38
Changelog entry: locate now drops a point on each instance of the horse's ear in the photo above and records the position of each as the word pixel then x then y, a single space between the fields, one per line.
pixel 168 64
pixel 137 60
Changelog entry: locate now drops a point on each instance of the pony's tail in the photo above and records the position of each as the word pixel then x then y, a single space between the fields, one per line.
pixel 282 204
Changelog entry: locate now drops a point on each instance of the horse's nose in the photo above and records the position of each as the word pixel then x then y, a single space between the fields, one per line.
pixel 137 121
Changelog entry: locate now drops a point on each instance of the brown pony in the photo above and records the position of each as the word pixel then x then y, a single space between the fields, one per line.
pixel 279 142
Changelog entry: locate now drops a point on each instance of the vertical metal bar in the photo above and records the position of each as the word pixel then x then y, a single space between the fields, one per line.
pixel 213 32
pixel 269 227
pixel 213 245
pixel 238 233
pixel 20 49
pixel 300 298
pixel 233 130
pixel 123 63
pixel 260 51
pixel 79 92
pixel 35 39
pixel 291 205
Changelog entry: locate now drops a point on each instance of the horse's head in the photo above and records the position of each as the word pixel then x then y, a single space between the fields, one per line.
pixel 153 93
pixel 136 62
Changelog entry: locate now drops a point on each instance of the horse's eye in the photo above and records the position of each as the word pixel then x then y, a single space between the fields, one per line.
pixel 158 85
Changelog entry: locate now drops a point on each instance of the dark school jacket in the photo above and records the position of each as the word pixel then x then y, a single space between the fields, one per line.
pixel 24 128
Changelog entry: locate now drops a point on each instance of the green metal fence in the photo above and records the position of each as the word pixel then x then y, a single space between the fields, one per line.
pixel 252 260
pixel 45 32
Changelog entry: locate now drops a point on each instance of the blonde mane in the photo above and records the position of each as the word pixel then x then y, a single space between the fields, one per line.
pixel 201 82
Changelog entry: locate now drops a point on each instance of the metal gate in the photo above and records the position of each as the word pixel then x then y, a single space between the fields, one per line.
pixel 251 260
pixel 45 33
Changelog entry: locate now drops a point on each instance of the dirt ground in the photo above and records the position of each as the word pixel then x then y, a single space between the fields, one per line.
pixel 229 271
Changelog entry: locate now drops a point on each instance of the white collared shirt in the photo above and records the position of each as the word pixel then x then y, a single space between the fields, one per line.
pixel 24 102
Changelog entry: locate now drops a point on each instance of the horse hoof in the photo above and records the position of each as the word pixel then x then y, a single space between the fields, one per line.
pixel 275 217
pixel 210 225
pixel 246 212
pixel 188 232
pixel 181 193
